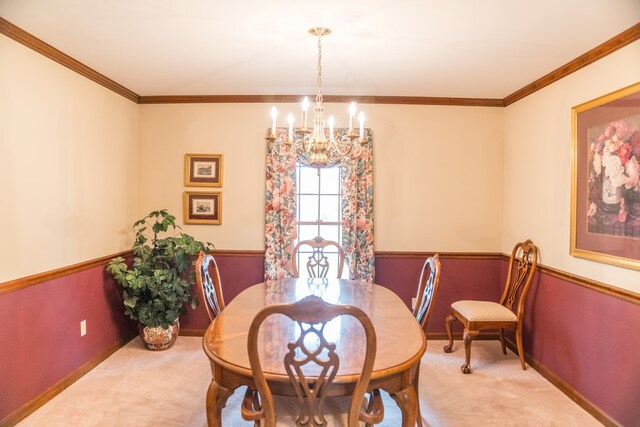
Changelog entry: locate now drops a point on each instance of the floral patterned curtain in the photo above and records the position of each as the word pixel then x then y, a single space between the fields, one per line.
pixel 357 210
pixel 280 213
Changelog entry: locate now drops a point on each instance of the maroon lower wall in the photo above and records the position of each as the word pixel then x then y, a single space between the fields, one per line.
pixel 587 339
pixel 40 342
pixel 460 278
pixel 584 337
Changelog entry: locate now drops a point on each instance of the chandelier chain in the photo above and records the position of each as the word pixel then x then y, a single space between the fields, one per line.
pixel 319 80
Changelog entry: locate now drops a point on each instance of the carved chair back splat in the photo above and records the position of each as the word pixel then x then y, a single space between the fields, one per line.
pixel 209 286
pixel 318 263
pixel 427 290
pixel 312 315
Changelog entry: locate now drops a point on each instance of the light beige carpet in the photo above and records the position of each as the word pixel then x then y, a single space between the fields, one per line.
pixel 136 387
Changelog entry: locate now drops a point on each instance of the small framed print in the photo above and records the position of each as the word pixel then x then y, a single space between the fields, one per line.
pixel 202 208
pixel 203 170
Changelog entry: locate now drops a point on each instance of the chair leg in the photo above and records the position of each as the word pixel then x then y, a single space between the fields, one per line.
pixel 468 338
pixel 504 347
pixel 448 323
pixel 416 385
pixel 519 343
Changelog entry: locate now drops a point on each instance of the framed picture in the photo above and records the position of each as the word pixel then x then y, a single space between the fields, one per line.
pixel 202 208
pixel 203 170
pixel 605 187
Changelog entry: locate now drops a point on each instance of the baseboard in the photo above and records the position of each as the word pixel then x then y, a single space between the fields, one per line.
pixel 569 391
pixel 192 332
pixel 31 406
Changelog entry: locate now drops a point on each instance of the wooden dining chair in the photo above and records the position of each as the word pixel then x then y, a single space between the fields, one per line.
pixel 428 286
pixel 318 263
pixel 311 315
pixel 209 286
pixel 427 290
pixel 507 314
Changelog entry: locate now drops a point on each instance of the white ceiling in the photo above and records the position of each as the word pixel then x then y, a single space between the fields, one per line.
pixel 444 48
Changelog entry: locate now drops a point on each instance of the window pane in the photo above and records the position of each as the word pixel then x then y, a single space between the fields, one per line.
pixel 330 232
pixel 330 180
pixel 308 208
pixel 307 232
pixel 308 180
pixel 330 208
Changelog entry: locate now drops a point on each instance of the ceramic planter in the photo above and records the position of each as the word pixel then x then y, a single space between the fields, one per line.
pixel 157 338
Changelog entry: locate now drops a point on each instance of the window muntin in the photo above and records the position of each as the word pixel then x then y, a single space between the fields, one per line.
pixel 319 213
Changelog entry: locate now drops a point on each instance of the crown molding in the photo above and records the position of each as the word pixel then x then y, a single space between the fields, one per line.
pixel 617 42
pixel 32 42
pixel 399 100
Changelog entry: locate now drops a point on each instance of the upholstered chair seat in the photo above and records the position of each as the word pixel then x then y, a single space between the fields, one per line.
pixel 481 311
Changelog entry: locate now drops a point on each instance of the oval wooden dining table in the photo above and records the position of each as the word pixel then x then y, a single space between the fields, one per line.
pixel 400 342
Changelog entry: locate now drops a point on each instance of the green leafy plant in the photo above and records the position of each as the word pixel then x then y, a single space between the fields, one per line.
pixel 157 284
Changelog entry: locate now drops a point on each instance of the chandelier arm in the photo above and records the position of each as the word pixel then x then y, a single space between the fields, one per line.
pixel 306 142
pixel 336 145
pixel 279 141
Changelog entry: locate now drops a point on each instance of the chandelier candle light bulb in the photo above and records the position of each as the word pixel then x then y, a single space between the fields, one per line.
pixel 321 151
pixel 305 107
pixel 274 114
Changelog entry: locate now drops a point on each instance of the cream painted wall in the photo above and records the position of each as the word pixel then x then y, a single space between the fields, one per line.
pixel 438 171
pixel 68 165
pixel 167 132
pixel 537 165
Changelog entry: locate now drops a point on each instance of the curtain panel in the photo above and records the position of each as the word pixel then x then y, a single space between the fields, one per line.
pixel 357 209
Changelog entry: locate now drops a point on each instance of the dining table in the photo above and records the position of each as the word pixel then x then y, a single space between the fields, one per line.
pixel 401 342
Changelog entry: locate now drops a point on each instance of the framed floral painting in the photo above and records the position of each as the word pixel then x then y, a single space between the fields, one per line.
pixel 203 170
pixel 202 208
pixel 605 189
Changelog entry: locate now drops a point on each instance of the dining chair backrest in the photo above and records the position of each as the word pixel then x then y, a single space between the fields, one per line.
pixel 209 286
pixel 318 262
pixel 522 267
pixel 311 315
pixel 427 290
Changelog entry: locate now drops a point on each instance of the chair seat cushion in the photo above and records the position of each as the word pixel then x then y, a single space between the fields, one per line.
pixel 475 311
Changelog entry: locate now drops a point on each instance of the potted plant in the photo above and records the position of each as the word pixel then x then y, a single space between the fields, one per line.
pixel 157 284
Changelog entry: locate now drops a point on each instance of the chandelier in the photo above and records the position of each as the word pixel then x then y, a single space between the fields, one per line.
pixel 322 150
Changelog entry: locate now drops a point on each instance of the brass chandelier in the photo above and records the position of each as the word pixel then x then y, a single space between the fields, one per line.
pixel 322 151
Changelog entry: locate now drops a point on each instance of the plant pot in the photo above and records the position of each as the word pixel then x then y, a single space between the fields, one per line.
pixel 157 338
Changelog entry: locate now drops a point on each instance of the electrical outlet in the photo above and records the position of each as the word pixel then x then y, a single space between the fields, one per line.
pixel 413 303
pixel 83 328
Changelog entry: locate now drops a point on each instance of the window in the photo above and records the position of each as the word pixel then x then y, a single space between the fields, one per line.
pixel 319 212
pixel 335 203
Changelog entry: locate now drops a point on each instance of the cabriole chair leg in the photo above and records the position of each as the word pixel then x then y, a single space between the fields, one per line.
pixel 449 323
pixel 468 339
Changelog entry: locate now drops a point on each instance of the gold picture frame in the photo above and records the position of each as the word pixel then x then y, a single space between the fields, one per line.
pixel 605 182
pixel 203 170
pixel 202 207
